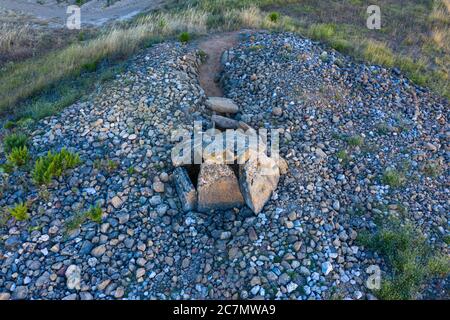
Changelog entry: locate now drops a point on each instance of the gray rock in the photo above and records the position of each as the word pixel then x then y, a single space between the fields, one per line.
pixel 222 105
pixel 185 189
pixel 98 251
pixel 12 242
pixel 224 122
pixel 218 188
pixel 258 178
pixel 327 267
pixel 20 293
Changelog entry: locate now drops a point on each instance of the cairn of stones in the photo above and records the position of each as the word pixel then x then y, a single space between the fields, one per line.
pixel 247 177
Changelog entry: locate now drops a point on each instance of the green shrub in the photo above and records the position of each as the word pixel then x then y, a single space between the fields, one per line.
pixel 14 140
pixel 409 256
pixel 341 45
pixel 75 222
pixel 343 156
pixel 184 37
pixel 322 31
pixel 90 66
pixel 393 178
pixel 95 213
pixel 9 125
pixel 18 156
pixel 19 211
pixel 54 165
pixel 355 141
pixel 274 16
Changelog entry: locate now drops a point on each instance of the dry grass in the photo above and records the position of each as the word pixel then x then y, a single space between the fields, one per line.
pixel 22 37
pixel 22 80
pixel 422 32
pixel 415 34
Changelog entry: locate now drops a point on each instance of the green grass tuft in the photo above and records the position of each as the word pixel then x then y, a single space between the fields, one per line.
pixel 411 259
pixel 379 53
pixel 274 17
pixel 432 169
pixel 184 37
pixel 14 140
pixel 393 178
pixel 19 211
pixel 343 156
pixel 53 165
pixel 95 213
pixel 322 31
pixel 19 156
pixel 355 141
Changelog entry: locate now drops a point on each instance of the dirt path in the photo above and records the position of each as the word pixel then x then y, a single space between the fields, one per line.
pixel 93 13
pixel 214 46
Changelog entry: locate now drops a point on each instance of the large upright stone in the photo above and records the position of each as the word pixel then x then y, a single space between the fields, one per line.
pixel 185 189
pixel 218 188
pixel 222 105
pixel 258 178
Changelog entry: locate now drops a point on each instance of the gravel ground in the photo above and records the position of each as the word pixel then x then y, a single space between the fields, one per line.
pixel 301 246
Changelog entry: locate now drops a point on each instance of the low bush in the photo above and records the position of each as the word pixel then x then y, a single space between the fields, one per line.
pixel 54 165
pixel 410 257
pixel 19 211
pixel 19 156
pixel 184 37
pixel 274 16
pixel 14 140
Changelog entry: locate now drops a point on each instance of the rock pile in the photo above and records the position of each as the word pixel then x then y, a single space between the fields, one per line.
pixel 219 186
pixel 302 244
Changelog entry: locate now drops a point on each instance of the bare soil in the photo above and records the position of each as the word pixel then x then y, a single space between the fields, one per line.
pixel 214 46
pixel 93 13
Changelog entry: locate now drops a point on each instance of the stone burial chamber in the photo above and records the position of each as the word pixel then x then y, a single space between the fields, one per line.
pixel 229 175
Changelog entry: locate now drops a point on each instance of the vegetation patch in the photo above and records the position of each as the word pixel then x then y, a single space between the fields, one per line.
pixel 355 141
pixel 53 165
pixel 411 259
pixel 19 156
pixel 19 211
pixel 184 37
pixel 274 17
pixel 94 214
pixel 343 156
pixel 14 140
pixel 393 178
pixel 432 169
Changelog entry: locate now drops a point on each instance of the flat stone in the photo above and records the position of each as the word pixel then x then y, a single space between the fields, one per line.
pixel 277 111
pixel 327 267
pixel 158 186
pixel 224 122
pixel 222 105
pixel 20 293
pixel 116 202
pixel 98 251
pixel 218 188
pixel 4 296
pixel 185 189
pixel 12 242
